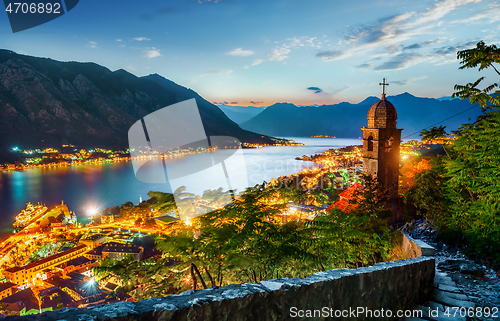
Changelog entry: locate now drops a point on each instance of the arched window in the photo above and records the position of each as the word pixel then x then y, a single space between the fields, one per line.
pixel 388 144
pixel 370 143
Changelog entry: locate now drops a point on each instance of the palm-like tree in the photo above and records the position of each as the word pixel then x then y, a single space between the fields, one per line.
pixel 435 133
pixel 217 197
pixel 165 202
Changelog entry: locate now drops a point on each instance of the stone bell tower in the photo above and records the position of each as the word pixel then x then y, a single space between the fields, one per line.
pixel 381 144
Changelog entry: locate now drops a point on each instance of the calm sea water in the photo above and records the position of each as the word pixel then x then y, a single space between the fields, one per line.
pixel 105 185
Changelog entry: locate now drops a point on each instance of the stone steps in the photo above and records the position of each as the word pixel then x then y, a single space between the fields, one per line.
pixel 445 297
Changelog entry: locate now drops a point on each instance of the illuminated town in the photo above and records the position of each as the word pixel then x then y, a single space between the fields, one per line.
pixel 69 155
pixel 48 262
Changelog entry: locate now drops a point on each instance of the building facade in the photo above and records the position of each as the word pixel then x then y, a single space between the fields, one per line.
pixel 26 274
pixel 7 289
pixel 119 251
pixel 94 240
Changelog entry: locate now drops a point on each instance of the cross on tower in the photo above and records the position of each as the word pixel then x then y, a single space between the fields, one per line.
pixel 383 84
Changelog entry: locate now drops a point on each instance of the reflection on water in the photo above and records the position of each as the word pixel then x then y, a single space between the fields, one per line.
pixel 106 185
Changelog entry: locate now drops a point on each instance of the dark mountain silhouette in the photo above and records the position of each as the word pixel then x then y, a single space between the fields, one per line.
pixel 44 102
pixel 240 114
pixel 346 119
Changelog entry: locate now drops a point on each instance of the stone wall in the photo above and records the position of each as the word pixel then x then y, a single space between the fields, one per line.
pixel 390 285
pixel 416 248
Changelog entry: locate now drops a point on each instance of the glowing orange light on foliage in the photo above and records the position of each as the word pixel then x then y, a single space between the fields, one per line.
pixel 413 170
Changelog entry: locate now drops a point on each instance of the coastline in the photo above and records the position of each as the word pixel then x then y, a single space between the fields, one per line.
pixel 87 183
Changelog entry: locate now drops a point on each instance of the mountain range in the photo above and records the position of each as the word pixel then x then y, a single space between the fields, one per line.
pixel 240 114
pixel 345 119
pixel 44 102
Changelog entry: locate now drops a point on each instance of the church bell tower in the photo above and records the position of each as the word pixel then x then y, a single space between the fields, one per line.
pixel 381 144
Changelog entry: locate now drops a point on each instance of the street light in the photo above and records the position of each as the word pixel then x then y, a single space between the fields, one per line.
pixel 91 211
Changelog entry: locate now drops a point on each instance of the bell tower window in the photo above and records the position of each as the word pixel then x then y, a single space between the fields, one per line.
pixel 370 143
pixel 388 144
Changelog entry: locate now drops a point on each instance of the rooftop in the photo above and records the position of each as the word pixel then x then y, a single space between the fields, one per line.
pixel 97 250
pixel 84 289
pixel 94 237
pixel 54 257
pixel 6 285
pixel 14 269
pixel 345 196
pixel 25 298
pixel 114 247
pixel 382 114
pixel 54 296
pixel 78 261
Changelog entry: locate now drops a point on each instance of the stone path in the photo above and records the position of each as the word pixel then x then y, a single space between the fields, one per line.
pixel 445 297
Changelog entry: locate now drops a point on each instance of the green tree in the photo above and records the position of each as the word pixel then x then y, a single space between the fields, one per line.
pixel 430 194
pixel 154 277
pixel 485 57
pixel 334 233
pixel 164 202
pixel 370 206
pixel 477 162
pixel 461 193
pixel 434 133
pixel 245 241
pixel 4 309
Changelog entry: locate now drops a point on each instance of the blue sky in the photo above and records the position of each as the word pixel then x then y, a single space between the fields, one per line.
pixel 261 52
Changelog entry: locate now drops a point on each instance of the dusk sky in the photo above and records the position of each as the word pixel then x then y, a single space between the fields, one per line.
pixel 261 52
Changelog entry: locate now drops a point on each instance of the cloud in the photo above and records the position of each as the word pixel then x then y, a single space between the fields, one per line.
pixel 142 39
pixel 254 63
pixel 233 103
pixel 206 1
pixel 439 56
pixel 441 9
pixel 452 50
pixel 330 54
pixel 257 62
pixel 92 44
pixel 406 81
pixel 339 90
pixel 364 66
pixel 152 53
pixel 130 67
pixel 119 40
pixel 382 32
pixel 485 17
pixel 278 54
pixel 401 61
pixel 423 44
pixel 316 89
pixel 255 102
pixel 390 32
pixel 414 46
pixel 240 52
pixel 218 72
